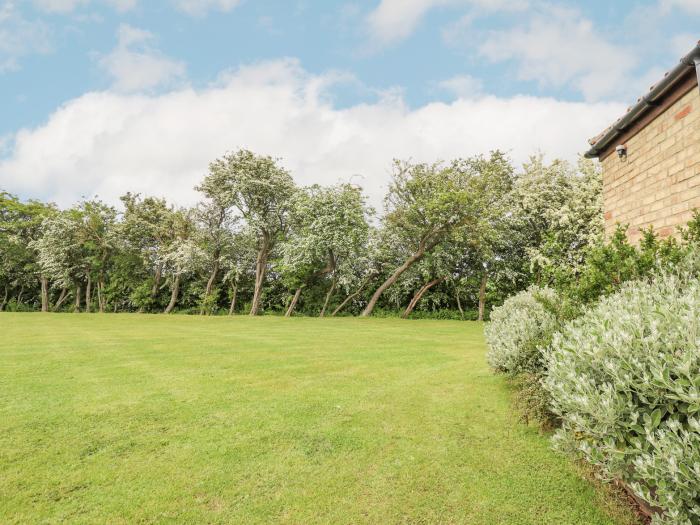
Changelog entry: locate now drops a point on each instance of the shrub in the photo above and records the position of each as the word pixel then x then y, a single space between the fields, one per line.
pixel 532 401
pixel 625 381
pixel 610 265
pixel 518 329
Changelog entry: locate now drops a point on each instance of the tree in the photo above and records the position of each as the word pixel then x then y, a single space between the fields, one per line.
pixel 60 253
pixel 357 273
pixel 239 262
pixel 216 223
pixel 424 205
pixel 484 248
pixel 261 191
pixel 97 237
pixel 557 212
pixel 20 227
pixel 434 269
pixel 328 228
pixel 182 256
pixel 148 229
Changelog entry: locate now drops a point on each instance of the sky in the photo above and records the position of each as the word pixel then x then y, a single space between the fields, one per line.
pixel 100 97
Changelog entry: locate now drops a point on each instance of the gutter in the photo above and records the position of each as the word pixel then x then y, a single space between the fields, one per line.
pixel 650 100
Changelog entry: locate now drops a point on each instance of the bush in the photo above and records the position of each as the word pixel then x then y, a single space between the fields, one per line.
pixel 519 328
pixel 532 401
pixel 625 381
pixel 609 265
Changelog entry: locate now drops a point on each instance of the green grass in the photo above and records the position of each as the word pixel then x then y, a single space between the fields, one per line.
pixel 151 419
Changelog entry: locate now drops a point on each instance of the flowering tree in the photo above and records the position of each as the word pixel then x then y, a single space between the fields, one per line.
pixel 328 228
pixel 260 190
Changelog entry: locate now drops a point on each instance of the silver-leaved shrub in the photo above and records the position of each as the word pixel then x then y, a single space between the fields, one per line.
pixel 519 328
pixel 625 381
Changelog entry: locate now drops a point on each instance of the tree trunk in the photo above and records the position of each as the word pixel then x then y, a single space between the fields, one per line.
pixel 293 304
pixel 4 299
pixel 328 297
pixel 419 295
pixel 100 295
pixel 260 269
pixel 210 284
pixel 77 299
pixel 391 280
pixel 61 299
pixel 459 304
pixel 44 294
pixel 88 292
pixel 19 297
pixel 482 296
pixel 233 300
pixel 173 295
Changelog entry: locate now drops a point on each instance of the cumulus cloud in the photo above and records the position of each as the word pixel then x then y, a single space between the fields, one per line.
pixel 192 7
pixel 463 86
pixel 135 66
pixel 19 37
pixel 690 6
pixel 561 48
pixel 394 20
pixel 59 6
pixel 67 6
pixel 201 7
pixel 107 143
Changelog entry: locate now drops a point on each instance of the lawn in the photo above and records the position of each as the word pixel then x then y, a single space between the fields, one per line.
pixel 151 419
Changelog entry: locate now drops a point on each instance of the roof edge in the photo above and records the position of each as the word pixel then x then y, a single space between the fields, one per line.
pixel 645 103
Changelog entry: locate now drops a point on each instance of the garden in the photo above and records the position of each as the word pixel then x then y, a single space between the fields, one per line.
pixel 134 390
pixel 609 358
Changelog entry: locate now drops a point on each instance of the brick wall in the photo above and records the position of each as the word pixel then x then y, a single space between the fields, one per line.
pixel 659 184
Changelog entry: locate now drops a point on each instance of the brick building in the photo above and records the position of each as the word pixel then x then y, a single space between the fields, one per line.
pixel 651 155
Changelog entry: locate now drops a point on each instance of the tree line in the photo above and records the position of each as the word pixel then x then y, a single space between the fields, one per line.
pixel 453 239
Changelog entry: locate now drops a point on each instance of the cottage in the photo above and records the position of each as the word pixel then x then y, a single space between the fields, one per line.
pixel 651 155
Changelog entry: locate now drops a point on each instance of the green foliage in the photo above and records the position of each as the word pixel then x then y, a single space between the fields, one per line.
pixel 467 226
pixel 625 380
pixel 556 215
pixel 209 303
pixel 532 401
pixel 328 228
pixel 438 314
pixel 609 265
pixel 256 185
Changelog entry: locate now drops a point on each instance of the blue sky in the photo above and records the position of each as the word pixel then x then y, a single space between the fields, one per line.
pixel 70 70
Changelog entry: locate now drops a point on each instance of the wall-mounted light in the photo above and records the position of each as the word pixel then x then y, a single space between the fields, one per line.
pixel 621 151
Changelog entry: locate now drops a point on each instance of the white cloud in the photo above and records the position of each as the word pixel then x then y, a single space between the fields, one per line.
pixel 5 143
pixel 68 6
pixel 681 44
pixel 19 37
pixel 561 48
pixel 690 6
pixel 108 143
pixel 59 6
pixel 123 5
pixel 395 20
pixel 463 86
pixel 135 66
pixel 201 7
pixel 191 7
